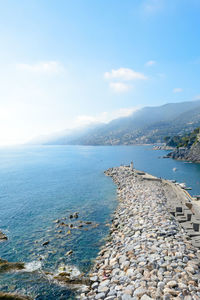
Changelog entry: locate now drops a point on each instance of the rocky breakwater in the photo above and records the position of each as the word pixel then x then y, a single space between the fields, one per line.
pixel 148 255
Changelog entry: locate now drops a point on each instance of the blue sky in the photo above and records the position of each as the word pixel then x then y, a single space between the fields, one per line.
pixel 68 63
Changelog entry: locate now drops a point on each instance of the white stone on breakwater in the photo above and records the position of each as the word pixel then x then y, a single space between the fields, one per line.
pixel 148 256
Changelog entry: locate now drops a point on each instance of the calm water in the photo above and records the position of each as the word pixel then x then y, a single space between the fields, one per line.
pixel 41 184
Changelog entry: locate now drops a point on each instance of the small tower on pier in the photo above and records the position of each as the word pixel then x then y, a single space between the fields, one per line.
pixel 131 166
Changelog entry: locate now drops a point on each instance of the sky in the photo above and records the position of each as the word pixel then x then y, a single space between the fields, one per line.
pixel 65 64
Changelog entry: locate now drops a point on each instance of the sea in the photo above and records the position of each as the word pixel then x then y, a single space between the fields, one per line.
pixel 42 184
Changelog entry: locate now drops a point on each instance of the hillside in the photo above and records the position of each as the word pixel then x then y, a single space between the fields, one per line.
pixel 147 125
pixel 185 141
pixel 187 146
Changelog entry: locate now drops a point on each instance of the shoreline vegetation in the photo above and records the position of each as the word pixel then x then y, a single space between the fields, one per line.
pixel 186 154
pixel 184 147
pixel 153 247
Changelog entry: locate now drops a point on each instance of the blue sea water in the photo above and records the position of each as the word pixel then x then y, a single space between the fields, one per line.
pixel 39 184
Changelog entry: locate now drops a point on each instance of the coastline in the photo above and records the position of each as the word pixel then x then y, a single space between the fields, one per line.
pixel 186 154
pixel 153 248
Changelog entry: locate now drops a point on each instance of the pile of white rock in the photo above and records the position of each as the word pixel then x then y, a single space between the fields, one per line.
pixel 148 256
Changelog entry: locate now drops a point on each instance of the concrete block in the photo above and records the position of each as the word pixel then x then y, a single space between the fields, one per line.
pixel 196 226
pixel 192 233
pixel 181 219
pixel 179 209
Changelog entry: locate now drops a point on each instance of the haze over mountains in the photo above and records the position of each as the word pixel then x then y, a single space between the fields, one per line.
pixel 147 125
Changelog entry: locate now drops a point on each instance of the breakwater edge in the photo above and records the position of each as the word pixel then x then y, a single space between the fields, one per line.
pixel 153 248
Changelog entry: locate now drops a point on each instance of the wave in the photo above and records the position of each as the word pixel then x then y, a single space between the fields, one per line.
pixel 32 266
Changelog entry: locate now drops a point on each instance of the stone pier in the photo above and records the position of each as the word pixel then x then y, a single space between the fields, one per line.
pixel 153 248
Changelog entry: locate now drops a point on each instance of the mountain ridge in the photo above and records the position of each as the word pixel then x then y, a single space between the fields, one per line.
pixel 145 126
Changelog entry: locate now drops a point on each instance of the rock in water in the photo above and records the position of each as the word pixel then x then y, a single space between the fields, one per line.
pixel 3 237
pixel 45 243
pixel 10 296
pixel 6 266
pixel 75 215
pixel 69 252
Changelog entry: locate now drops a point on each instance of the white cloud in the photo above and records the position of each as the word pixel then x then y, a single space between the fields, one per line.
pixel 123 112
pixel 150 63
pixel 153 6
pixel 103 117
pixel 177 90
pixel 48 67
pixel 120 87
pixel 83 120
pixel 124 74
pixel 197 97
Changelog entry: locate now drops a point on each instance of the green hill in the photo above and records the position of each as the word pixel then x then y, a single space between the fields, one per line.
pixel 186 141
pixel 187 146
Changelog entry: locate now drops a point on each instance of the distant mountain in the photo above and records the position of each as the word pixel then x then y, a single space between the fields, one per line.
pixel 147 125
pixel 64 137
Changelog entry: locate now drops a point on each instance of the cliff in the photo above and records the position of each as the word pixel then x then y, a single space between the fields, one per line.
pixel 189 154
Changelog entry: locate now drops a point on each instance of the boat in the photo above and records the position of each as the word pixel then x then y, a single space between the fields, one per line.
pixel 172 180
pixel 182 185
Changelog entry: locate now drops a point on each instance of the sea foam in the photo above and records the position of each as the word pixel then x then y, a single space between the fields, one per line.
pixel 32 266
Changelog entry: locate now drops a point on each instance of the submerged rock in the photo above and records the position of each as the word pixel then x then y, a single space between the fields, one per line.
pixel 63 224
pixel 10 296
pixel 3 237
pixel 72 277
pixel 56 221
pixel 65 278
pixel 69 252
pixel 45 243
pixel 6 266
pixel 74 215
